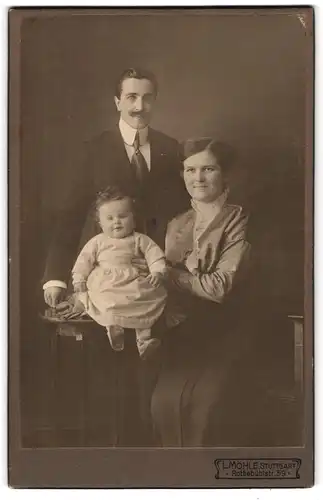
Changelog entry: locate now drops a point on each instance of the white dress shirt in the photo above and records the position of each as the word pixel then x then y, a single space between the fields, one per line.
pixel 128 135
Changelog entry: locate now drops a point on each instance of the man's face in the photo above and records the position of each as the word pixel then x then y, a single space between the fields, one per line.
pixel 136 102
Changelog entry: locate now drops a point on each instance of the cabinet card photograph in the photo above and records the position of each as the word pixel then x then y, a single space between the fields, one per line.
pixel 161 236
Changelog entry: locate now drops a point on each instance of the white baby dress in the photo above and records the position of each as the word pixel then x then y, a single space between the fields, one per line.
pixel 118 290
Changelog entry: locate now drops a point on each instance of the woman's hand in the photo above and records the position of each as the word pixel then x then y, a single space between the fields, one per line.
pixel 179 278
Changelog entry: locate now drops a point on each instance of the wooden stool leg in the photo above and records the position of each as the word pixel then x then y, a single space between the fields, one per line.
pixel 84 390
pixel 299 353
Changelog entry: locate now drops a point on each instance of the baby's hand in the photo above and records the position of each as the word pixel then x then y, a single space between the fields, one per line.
pixel 81 301
pixel 155 279
pixel 81 295
pixel 80 287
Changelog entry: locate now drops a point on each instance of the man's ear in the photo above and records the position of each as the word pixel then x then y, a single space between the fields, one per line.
pixel 117 102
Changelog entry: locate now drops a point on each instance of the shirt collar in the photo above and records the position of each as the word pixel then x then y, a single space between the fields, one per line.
pixel 128 133
pixel 209 210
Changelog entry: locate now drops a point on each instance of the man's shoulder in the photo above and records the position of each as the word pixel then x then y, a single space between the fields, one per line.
pixel 104 136
pixel 163 138
pixel 113 134
pixel 162 135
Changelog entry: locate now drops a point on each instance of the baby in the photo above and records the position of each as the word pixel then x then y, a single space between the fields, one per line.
pixel 115 292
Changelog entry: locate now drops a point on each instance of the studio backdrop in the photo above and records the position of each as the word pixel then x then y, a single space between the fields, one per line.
pixel 237 78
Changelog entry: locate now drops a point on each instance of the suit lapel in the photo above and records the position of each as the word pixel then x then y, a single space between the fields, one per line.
pixel 157 156
pixel 120 150
pixel 125 173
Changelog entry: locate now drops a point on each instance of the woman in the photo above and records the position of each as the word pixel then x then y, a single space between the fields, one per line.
pixel 208 251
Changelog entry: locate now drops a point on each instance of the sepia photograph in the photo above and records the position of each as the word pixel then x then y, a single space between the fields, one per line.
pixel 161 239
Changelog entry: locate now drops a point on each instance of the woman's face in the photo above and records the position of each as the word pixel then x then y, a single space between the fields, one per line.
pixel 203 177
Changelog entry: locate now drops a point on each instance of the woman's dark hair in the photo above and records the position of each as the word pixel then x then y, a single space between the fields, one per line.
pixel 140 74
pixel 223 152
pixel 111 193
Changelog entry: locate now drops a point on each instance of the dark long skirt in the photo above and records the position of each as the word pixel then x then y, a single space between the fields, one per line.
pixel 200 373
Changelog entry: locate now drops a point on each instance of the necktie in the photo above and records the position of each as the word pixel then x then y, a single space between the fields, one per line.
pixel 139 162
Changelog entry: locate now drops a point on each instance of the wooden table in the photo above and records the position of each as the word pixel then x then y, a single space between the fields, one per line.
pixel 110 386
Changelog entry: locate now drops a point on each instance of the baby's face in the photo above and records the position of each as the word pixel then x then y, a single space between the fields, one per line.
pixel 116 218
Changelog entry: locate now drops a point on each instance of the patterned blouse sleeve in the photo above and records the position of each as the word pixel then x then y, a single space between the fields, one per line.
pixel 234 256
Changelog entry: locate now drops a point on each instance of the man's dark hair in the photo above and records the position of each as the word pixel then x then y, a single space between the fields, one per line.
pixel 140 74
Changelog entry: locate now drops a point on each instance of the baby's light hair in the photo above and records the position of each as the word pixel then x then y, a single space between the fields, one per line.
pixel 111 193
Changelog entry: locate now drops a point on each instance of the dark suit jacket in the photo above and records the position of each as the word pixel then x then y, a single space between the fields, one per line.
pixel 106 163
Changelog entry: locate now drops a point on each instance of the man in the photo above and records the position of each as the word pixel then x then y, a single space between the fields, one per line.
pixel 141 161
pixel 144 163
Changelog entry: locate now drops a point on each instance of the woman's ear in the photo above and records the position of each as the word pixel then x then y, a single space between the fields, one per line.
pixel 226 178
